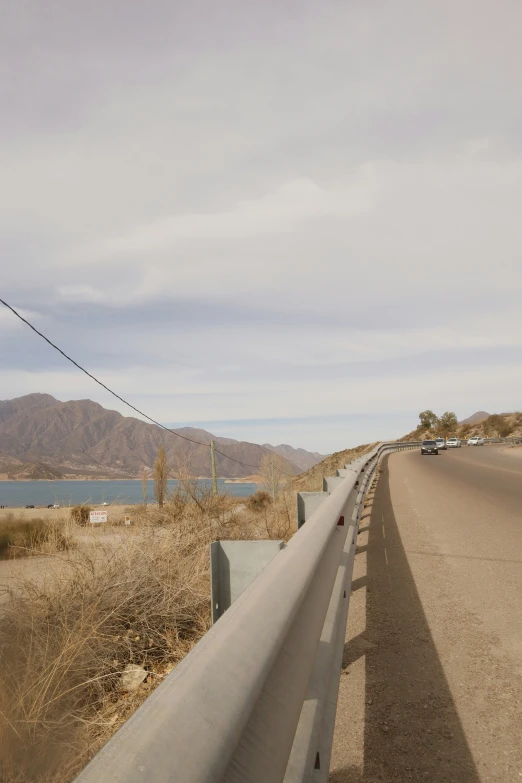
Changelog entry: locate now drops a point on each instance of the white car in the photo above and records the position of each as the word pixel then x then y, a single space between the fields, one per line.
pixel 441 444
pixel 453 443
pixel 476 441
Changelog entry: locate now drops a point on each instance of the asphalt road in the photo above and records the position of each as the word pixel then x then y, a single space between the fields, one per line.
pixel 432 681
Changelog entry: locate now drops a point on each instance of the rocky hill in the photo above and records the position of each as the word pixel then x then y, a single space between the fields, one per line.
pixel 300 457
pixel 475 418
pixel 82 437
pixel 312 479
pixel 15 470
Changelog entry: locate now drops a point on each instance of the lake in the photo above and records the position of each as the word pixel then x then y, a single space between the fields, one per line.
pixel 72 493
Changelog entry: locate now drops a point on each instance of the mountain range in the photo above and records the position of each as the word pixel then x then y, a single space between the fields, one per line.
pixel 42 437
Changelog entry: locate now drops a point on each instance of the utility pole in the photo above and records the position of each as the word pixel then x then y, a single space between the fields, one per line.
pixel 213 461
pixel 273 479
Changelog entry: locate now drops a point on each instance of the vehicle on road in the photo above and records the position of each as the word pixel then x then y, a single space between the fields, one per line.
pixel 441 443
pixel 476 441
pixel 429 447
pixel 453 443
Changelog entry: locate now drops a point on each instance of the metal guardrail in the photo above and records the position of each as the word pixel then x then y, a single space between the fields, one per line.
pixel 513 440
pixel 255 700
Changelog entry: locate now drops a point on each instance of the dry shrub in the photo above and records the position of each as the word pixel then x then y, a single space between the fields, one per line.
pixel 20 537
pixel 259 501
pixel 277 519
pixel 140 597
pixel 80 514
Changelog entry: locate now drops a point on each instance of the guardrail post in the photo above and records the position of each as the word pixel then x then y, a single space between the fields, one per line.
pixel 307 504
pixel 233 566
pixel 331 482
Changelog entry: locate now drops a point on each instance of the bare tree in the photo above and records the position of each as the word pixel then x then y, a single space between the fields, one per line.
pixel 276 472
pixel 145 485
pixel 161 471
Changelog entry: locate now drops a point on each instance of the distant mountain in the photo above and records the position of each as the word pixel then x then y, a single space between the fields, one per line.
pixel 475 418
pixel 304 459
pixel 80 436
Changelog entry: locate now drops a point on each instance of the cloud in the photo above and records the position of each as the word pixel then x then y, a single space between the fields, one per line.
pixel 264 211
pixel 80 293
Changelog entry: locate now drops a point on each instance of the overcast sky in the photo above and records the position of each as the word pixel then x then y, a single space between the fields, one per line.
pixel 283 221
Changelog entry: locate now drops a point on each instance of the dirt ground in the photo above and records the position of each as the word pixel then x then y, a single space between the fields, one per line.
pixel 431 687
pixel 26 514
pixel 51 566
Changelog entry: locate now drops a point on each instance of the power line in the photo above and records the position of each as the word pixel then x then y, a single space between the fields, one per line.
pixel 141 413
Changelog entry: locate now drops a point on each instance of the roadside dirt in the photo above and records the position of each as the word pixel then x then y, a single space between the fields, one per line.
pixel 27 514
pixel 513 451
pixel 431 687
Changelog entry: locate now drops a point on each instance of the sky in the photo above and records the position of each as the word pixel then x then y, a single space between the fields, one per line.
pixel 293 222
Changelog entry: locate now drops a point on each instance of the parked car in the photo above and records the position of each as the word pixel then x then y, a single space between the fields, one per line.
pixel 476 441
pixel 429 447
pixel 453 443
pixel 56 505
pixel 29 506
pixel 441 443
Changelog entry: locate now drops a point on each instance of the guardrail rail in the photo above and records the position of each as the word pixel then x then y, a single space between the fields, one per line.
pixel 255 700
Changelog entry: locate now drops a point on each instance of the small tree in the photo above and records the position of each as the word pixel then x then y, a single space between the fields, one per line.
pixel 145 485
pixel 447 423
pixel 428 420
pixel 161 472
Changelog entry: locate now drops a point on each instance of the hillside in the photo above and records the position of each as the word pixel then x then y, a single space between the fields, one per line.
pixel 82 437
pixel 312 479
pixel 15 470
pixel 496 425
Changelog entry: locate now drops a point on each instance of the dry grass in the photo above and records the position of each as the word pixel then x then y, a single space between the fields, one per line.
pixel 138 597
pixel 20 537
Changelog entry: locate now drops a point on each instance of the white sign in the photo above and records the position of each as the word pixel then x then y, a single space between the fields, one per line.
pixel 127 520
pixel 97 516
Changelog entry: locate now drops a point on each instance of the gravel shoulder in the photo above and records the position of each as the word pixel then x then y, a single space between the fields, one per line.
pixel 431 687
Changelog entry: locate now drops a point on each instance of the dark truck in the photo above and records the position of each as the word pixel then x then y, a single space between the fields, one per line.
pixel 429 447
